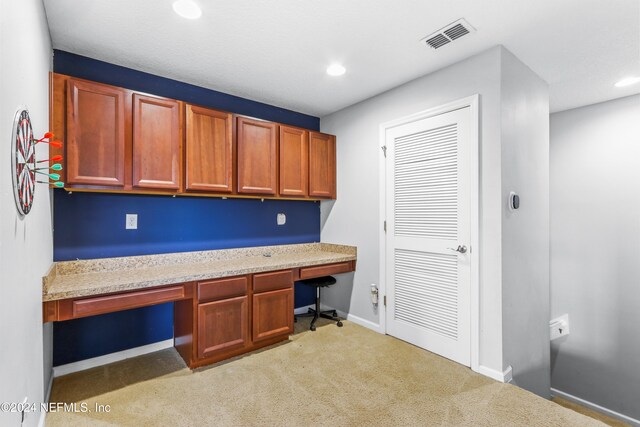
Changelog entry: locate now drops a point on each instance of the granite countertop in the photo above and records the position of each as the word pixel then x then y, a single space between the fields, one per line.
pixel 73 279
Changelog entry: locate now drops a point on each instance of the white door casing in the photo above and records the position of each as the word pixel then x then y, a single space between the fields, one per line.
pixel 430 251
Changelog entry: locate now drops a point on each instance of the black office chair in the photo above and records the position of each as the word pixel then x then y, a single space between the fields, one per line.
pixel 320 282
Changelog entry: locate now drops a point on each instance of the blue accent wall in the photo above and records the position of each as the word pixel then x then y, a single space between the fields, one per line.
pixel 95 336
pixel 91 225
pixel 104 72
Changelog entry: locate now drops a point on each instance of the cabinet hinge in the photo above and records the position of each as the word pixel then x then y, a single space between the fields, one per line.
pixel 384 300
pixel 384 150
pixel 385 226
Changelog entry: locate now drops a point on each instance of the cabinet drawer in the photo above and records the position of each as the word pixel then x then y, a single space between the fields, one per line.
pixel 107 304
pixel 273 280
pixel 222 288
pixel 325 270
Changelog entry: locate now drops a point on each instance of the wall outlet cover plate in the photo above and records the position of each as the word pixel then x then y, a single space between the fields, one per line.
pixel 131 222
pixel 559 327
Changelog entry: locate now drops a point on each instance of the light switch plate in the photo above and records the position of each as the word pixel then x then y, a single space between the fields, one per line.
pixel 282 219
pixel 131 222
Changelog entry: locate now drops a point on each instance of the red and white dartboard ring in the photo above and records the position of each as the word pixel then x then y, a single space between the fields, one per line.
pixel 23 155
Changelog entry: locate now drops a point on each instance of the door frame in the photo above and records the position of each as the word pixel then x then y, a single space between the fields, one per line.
pixel 472 102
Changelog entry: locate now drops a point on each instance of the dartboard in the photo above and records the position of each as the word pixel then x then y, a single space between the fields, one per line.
pixel 24 162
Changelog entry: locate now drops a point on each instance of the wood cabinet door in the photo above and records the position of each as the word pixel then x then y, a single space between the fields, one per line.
pixel 156 143
pixel 322 165
pixel 209 150
pixel 257 160
pixel 57 119
pixel 294 161
pixel 272 314
pixel 95 138
pixel 222 325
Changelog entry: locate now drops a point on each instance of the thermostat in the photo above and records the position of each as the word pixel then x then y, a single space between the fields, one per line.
pixel 514 201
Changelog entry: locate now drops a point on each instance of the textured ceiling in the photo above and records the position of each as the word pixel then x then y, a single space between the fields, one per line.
pixel 276 51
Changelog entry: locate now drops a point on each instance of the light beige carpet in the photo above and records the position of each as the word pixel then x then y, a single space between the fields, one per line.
pixel 346 376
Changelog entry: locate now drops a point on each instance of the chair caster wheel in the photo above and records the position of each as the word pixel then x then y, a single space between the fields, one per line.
pixel 313 327
pixel 339 324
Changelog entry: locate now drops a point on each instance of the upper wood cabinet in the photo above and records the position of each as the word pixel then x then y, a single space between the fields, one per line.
pixel 157 144
pixel 116 140
pixel 294 162
pixel 322 165
pixel 95 134
pixel 257 160
pixel 209 150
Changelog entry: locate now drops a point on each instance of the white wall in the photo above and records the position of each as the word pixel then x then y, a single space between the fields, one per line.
pixel 354 218
pixel 595 252
pixel 525 232
pixel 25 245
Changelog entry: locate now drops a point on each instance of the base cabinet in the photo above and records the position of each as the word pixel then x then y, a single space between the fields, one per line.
pixel 239 314
pixel 222 326
pixel 272 314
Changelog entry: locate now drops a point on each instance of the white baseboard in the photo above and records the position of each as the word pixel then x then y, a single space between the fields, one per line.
pixel 364 322
pixel 47 398
pixel 355 319
pixel 504 377
pixel 303 310
pixel 595 407
pixel 81 365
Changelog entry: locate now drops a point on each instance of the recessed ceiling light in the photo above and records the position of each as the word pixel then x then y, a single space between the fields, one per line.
pixel 187 9
pixel 628 81
pixel 336 70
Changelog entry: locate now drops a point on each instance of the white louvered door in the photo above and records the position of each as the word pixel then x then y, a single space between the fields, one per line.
pixel 428 218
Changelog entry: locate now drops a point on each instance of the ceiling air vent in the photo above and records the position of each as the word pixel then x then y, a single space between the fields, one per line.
pixel 449 33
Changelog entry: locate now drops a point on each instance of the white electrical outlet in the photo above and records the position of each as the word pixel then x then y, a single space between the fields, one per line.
pixel 281 219
pixel 559 327
pixel 131 222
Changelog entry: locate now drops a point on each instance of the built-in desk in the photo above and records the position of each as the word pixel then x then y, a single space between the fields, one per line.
pixel 227 302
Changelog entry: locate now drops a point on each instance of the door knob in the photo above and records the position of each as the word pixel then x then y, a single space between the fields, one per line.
pixel 461 248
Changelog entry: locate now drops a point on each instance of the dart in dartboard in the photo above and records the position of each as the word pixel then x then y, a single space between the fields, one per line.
pixel 24 163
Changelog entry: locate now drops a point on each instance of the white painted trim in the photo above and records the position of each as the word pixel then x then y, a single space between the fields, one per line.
pixel 504 377
pixel 81 365
pixel 473 102
pixel 362 322
pixel 382 234
pixel 355 319
pixel 47 397
pixel 595 407
pixel 474 105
